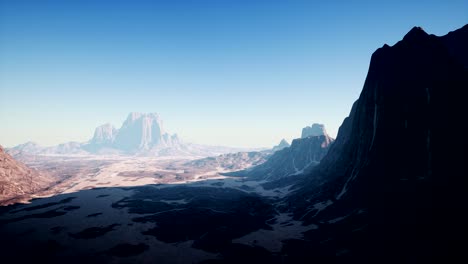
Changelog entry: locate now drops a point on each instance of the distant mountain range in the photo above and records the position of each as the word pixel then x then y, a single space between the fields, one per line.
pixel 140 134
pixel 281 161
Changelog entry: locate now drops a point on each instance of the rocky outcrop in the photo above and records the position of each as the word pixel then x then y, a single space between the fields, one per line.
pixel 17 180
pixel 314 130
pixel 301 156
pixel 142 132
pixel 283 144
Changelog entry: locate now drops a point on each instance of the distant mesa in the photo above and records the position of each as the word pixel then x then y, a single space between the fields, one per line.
pixel 314 130
pixel 139 132
pixel 104 135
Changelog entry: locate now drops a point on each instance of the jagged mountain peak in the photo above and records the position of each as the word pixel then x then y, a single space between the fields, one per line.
pixel 415 33
pixel 283 144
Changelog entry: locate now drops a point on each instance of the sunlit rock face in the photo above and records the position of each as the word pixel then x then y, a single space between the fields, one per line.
pixel 104 135
pixel 141 132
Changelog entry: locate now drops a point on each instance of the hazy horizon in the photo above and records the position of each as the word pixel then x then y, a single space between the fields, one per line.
pixel 244 73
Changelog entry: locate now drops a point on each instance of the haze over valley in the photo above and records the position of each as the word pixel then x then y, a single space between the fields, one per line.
pixel 138 153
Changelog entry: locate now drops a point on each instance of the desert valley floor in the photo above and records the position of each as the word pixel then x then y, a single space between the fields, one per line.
pixel 142 209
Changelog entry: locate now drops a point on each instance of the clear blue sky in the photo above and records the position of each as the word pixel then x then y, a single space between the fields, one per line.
pixel 240 73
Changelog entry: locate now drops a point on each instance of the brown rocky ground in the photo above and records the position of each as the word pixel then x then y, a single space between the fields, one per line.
pixel 18 182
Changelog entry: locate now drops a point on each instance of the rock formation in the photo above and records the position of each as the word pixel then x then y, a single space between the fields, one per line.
pixel 303 154
pixel 17 180
pixel 283 144
pixel 314 130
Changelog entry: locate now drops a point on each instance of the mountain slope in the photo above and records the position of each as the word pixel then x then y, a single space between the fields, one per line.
pixel 16 179
pixel 392 185
pixel 303 154
pixel 231 161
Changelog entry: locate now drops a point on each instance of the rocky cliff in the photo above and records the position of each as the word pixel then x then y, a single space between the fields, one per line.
pixel 17 180
pixel 303 154
pixel 392 186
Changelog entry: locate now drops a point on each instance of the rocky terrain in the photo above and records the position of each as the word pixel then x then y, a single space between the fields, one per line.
pixel 18 182
pixel 232 161
pixel 313 131
pixel 303 154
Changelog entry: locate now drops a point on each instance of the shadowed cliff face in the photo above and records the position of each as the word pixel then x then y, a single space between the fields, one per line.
pixel 395 172
pixel 456 43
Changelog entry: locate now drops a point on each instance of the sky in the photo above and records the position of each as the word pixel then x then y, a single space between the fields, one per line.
pixel 243 73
